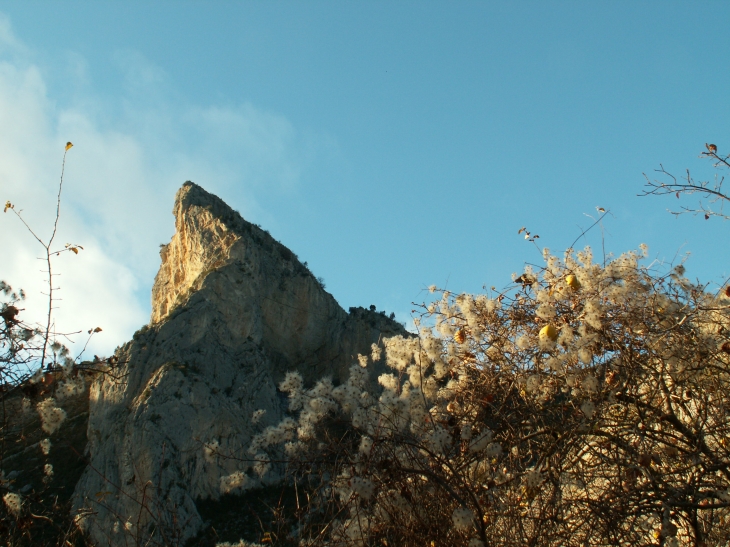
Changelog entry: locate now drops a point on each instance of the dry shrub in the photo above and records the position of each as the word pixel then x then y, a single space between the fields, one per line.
pixel 587 405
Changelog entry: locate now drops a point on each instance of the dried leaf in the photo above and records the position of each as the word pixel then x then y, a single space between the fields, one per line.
pixel 8 205
pixel 74 250
pixel 69 145
pixel 97 329
pixel 8 314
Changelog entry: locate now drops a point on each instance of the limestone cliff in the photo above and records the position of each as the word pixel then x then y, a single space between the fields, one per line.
pixel 232 311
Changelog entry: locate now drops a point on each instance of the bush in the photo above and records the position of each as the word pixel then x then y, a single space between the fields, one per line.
pixel 587 407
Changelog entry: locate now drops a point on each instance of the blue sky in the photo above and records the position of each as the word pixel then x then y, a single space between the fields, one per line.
pixel 392 145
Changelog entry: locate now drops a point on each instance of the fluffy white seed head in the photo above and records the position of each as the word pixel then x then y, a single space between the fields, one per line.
pixel 493 450
pixel 235 481
pixel 588 408
pixel 532 478
pixel 366 445
pixel 590 383
pixel 363 487
pixel 463 518
pixel 13 502
pixel 51 416
pixel 292 382
pixel 256 417
pixel 45 445
pixel 481 441
pixel 376 352
pixel 210 451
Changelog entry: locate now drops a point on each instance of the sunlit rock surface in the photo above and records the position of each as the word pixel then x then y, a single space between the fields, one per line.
pixel 232 311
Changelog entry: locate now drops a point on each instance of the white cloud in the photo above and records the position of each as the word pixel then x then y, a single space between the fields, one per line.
pixel 130 154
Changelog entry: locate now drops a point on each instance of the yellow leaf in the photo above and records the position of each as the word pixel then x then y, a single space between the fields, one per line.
pixel 549 331
pixel 69 145
pixel 8 205
pixel 75 250
pixel 572 282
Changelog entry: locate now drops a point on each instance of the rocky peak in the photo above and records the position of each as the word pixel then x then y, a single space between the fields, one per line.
pixel 208 233
pixel 232 311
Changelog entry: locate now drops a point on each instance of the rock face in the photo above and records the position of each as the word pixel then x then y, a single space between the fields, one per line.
pixel 232 311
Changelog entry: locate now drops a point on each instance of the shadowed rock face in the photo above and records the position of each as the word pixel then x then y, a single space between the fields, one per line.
pixel 232 311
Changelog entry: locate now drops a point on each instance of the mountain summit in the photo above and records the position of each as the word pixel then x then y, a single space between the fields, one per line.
pixel 233 310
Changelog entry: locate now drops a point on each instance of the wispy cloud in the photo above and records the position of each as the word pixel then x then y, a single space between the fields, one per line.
pixel 132 151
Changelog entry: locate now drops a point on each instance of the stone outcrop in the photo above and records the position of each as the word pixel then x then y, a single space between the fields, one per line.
pixel 232 311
